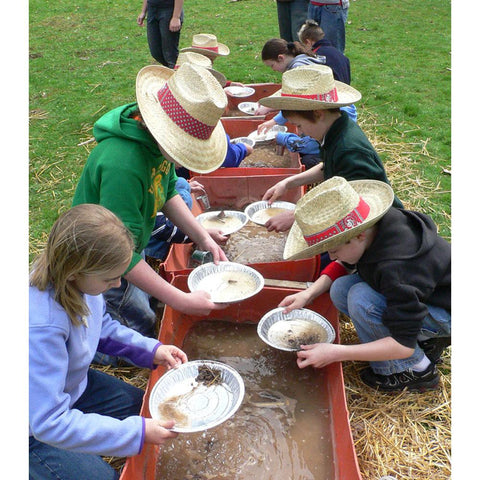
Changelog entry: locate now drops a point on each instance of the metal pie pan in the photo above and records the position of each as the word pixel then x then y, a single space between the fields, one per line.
pixel 246 140
pixel 268 135
pixel 252 210
pixel 237 91
pixel 287 331
pixel 227 282
pixel 233 220
pixel 197 405
pixel 248 107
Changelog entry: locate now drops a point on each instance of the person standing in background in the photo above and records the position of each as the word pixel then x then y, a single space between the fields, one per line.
pixel 331 15
pixel 291 16
pixel 164 22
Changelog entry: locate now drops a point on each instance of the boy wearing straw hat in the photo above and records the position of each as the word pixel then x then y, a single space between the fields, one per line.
pixel 399 297
pixel 132 173
pixel 311 98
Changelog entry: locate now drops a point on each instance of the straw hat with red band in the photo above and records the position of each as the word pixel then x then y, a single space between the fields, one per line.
pixel 334 212
pixel 182 110
pixel 203 61
pixel 311 87
pixel 207 44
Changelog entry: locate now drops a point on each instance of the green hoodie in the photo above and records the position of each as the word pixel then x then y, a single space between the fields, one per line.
pixel 127 173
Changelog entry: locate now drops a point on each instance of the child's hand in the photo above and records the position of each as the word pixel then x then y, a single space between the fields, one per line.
pixel 170 356
pixel 297 300
pixel 281 222
pixel 218 236
pixel 249 149
pixel 274 192
pixel 263 127
pixel 210 245
pixel 317 355
pixel 261 110
pixel 196 187
pixel 157 432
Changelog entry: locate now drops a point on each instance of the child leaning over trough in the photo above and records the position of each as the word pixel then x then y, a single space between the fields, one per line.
pixel 311 99
pixel 398 296
pixel 78 413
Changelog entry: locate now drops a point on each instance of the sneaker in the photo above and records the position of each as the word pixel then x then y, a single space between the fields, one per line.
pixel 418 381
pixel 434 347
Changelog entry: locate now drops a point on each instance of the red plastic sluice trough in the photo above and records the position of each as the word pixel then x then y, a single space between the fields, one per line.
pixel 174 328
pixel 261 90
pixel 235 193
pixel 241 127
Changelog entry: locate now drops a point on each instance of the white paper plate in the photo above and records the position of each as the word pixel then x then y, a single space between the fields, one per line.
pixel 197 405
pixel 232 221
pixel 298 327
pixel 260 212
pixel 237 91
pixel 248 107
pixel 227 282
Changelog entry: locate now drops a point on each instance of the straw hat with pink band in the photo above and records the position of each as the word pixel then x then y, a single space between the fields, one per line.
pixel 207 44
pixel 202 61
pixel 334 212
pixel 311 87
pixel 182 109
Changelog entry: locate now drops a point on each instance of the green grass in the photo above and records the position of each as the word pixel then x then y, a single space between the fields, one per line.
pixel 84 58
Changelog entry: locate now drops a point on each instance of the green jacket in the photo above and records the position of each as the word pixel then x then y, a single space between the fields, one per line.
pixel 127 173
pixel 346 152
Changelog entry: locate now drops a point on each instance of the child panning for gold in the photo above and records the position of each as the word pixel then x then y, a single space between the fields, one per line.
pixel 78 414
pixel 398 296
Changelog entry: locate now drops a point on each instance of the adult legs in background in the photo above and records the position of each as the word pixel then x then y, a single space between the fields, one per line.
pixel 162 42
pixel 332 19
pixel 105 395
pixel 291 16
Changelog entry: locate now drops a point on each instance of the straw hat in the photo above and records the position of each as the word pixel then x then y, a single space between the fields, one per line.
pixel 334 212
pixel 203 61
pixel 311 87
pixel 182 110
pixel 207 44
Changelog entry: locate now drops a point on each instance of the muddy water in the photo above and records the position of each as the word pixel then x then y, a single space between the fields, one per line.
pixel 266 156
pixel 280 432
pixel 253 243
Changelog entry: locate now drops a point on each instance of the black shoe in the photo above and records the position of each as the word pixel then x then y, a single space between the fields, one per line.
pixel 418 381
pixel 434 348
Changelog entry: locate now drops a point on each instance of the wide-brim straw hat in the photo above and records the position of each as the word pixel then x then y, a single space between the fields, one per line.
pixel 311 87
pixel 182 110
pixel 202 61
pixel 334 212
pixel 207 44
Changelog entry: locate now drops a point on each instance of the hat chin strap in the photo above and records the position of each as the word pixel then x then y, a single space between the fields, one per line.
pixel 352 219
pixel 181 117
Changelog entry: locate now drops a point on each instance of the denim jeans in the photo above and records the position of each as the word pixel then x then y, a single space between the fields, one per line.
pixel 160 242
pixel 291 16
pixel 105 395
pixel 365 307
pixel 162 42
pixel 332 20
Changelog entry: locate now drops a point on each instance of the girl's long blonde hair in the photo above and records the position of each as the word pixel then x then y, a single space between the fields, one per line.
pixel 88 239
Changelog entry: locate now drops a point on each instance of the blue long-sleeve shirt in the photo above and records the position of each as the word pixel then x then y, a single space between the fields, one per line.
pixel 60 354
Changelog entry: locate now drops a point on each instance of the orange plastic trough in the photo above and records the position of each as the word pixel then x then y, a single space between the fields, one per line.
pixel 241 127
pixel 261 90
pixel 174 328
pixel 236 193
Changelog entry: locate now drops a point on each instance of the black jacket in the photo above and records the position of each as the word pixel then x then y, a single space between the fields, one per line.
pixel 410 264
pixel 335 59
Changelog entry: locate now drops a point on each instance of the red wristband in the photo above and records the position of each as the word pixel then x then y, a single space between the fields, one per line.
pixel 334 270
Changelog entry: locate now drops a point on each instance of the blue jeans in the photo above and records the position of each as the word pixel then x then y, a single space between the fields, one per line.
pixel 332 20
pixel 365 307
pixel 164 232
pixel 105 395
pixel 291 16
pixel 162 42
